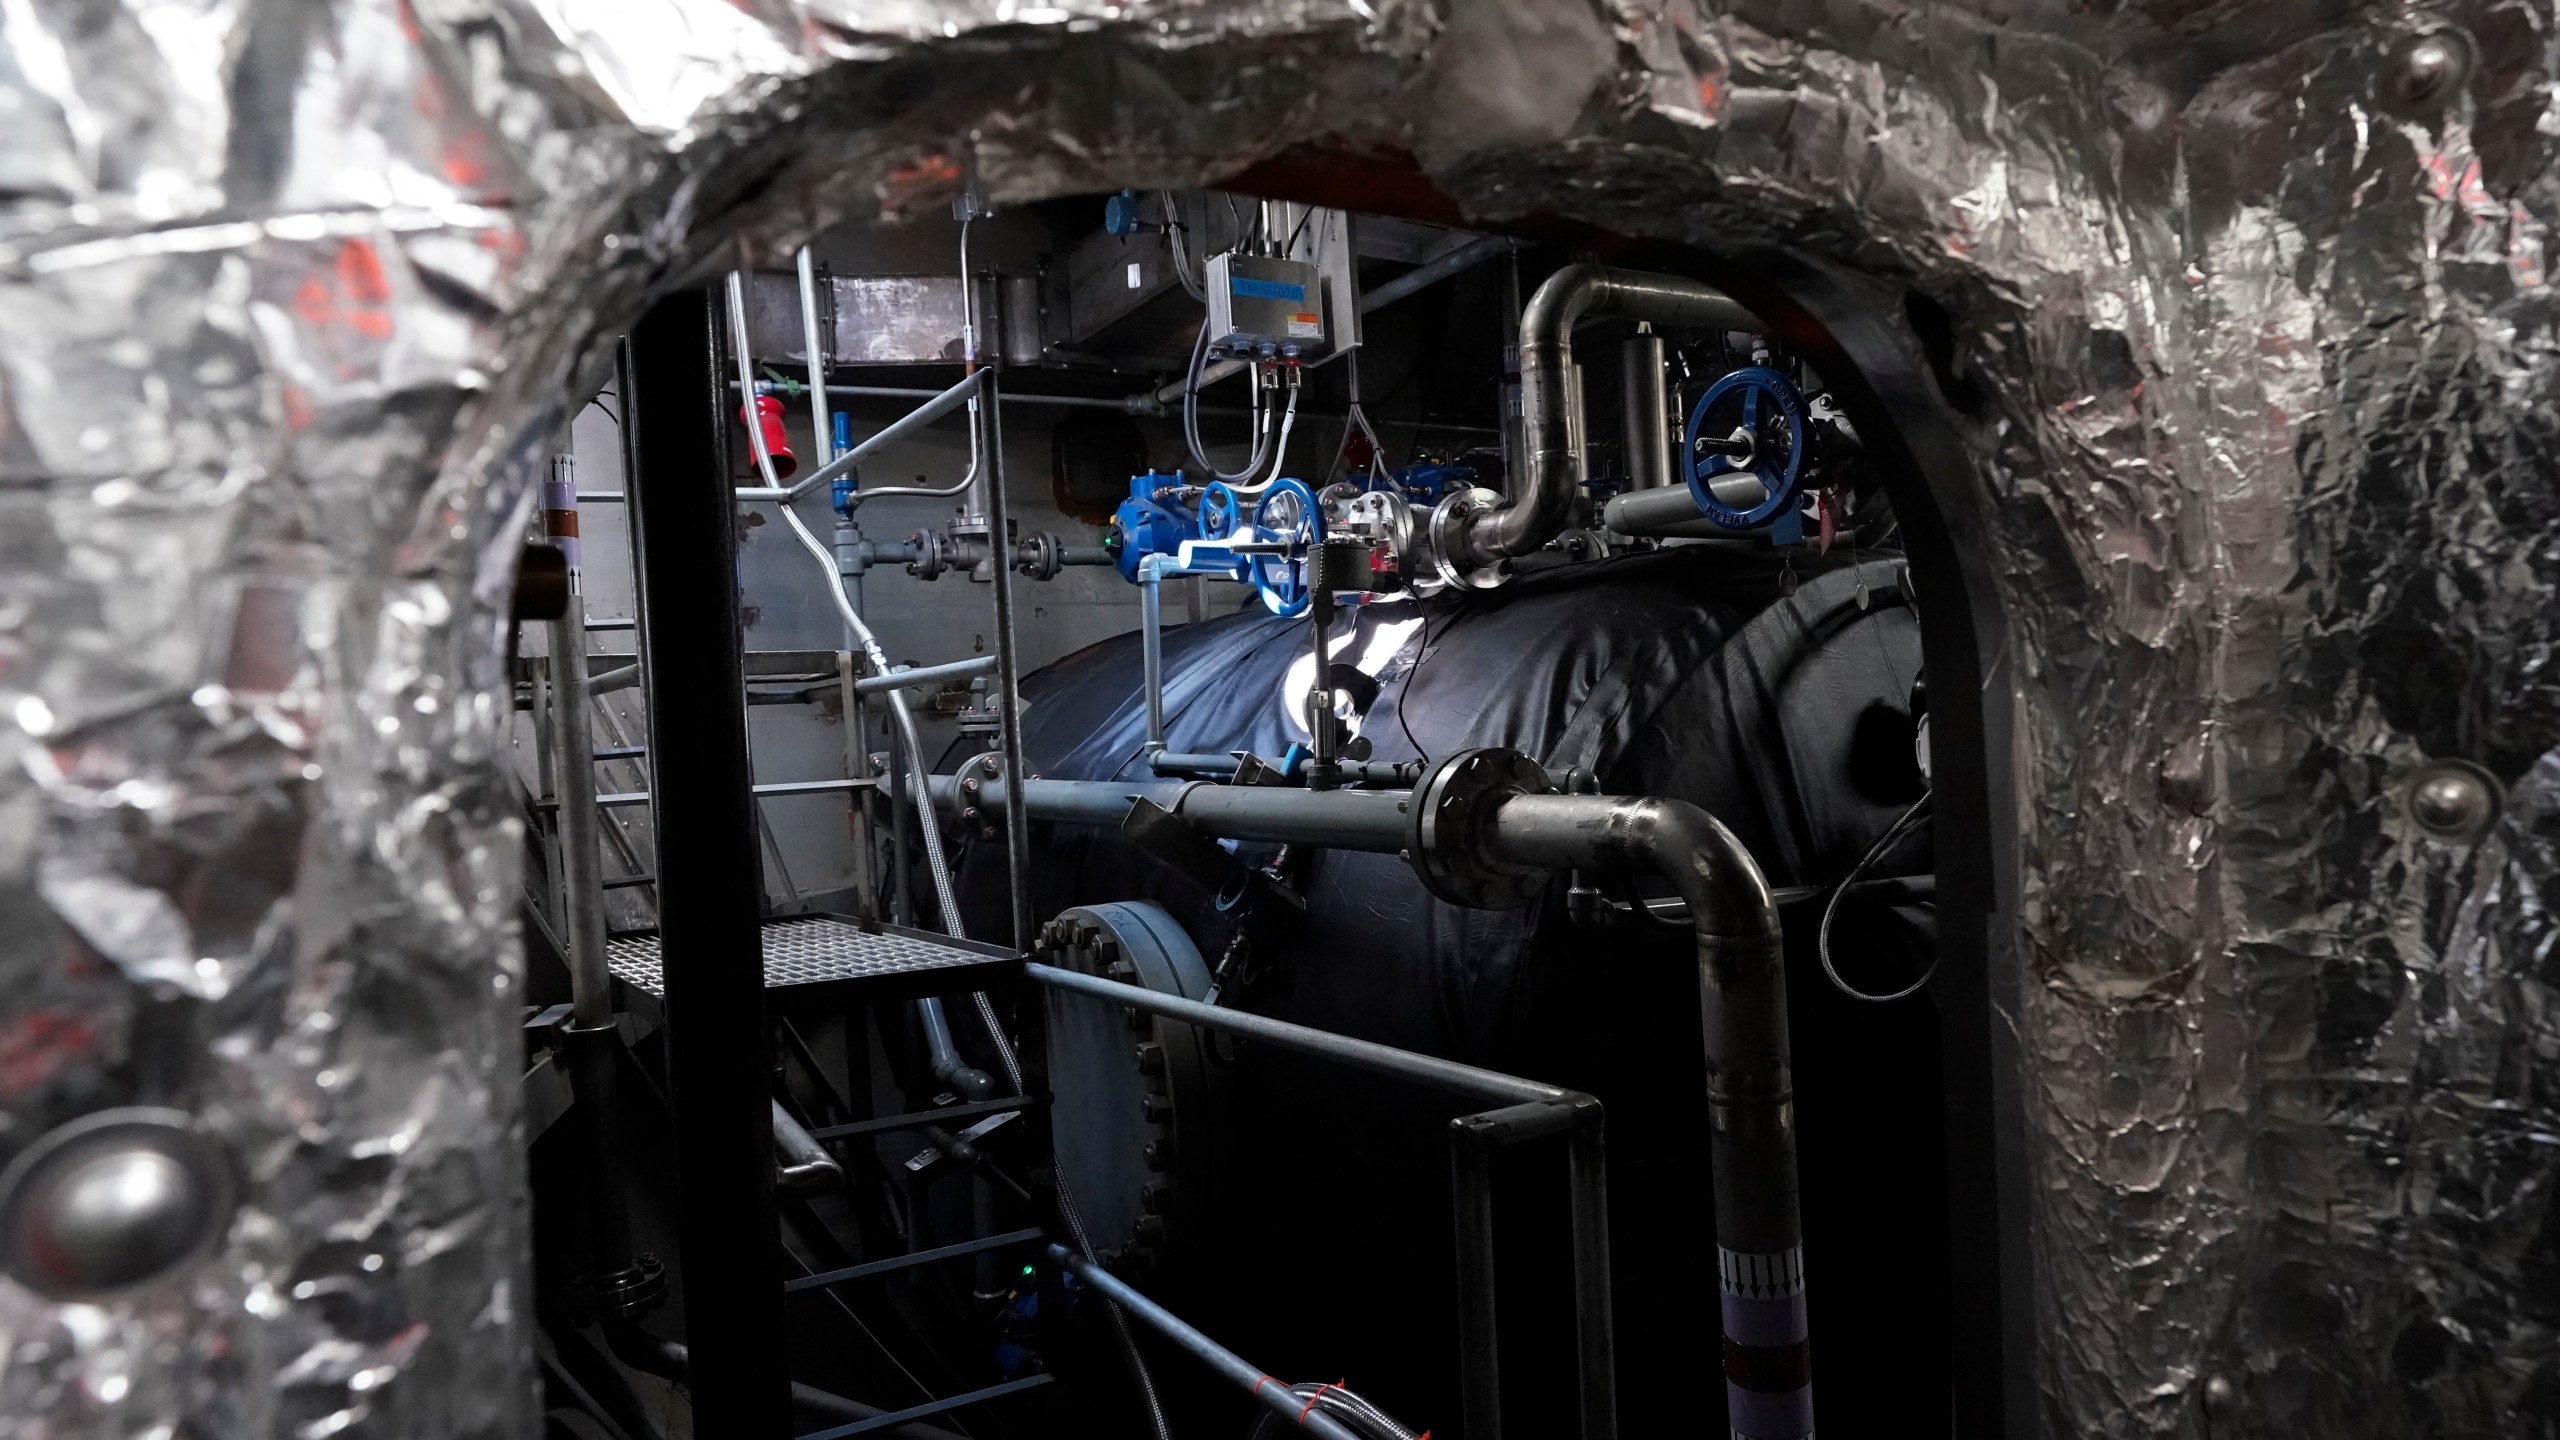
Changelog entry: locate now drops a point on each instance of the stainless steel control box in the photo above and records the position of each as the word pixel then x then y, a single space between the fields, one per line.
pixel 1267 308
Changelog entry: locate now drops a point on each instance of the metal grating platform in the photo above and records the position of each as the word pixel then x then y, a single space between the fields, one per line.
pixel 822 950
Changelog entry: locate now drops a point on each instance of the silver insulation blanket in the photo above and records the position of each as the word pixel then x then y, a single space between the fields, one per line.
pixel 2258 338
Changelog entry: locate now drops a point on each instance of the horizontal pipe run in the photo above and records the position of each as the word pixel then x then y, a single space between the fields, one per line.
pixel 1371 820
pixel 1671 510
pixel 909 679
pixel 1448 1076
pixel 626 799
pixel 889 434
pixel 1272 1392
pixel 913 392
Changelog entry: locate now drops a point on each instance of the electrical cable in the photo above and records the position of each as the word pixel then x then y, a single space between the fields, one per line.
pixel 1421 644
pixel 1279 451
pixel 1822 938
pixel 1191 416
pixel 1174 228
pixel 1300 229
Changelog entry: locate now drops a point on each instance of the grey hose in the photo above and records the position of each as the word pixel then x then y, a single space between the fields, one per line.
pixel 1191 418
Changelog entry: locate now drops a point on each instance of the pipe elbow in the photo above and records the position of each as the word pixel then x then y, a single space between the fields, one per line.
pixel 1705 862
pixel 1551 460
pixel 1727 896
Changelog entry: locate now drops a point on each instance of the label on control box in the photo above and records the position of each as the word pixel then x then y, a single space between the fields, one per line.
pixel 1306 327
pixel 1267 289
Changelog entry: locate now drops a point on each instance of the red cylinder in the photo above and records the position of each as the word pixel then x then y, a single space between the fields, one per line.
pixel 769 417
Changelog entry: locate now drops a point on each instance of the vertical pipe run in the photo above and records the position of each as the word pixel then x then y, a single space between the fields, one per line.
pixel 1645 411
pixel 1323 767
pixel 1751 1137
pixel 1017 836
pixel 822 430
pixel 1752 1146
pixel 1150 647
pixel 857 766
pixel 718 1060
pixel 901 848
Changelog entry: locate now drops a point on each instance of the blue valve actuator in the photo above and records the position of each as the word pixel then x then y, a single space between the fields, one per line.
pixel 840 493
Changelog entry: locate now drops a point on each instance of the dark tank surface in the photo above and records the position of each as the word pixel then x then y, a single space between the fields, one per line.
pixel 1781 702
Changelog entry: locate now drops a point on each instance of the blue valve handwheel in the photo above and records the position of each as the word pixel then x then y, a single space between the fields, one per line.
pixel 1286 512
pixel 1221 511
pixel 1772 410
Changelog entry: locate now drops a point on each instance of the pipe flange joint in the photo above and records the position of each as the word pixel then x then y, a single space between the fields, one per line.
pixel 1449 539
pixel 617 1292
pixel 932 554
pixel 1450 825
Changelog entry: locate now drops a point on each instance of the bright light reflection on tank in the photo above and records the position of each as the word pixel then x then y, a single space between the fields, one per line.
pixel 1368 645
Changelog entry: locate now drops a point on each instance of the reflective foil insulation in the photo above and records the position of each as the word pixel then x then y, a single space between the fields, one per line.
pixel 2242 312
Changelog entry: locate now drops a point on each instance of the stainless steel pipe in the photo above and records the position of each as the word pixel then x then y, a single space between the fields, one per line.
pixel 1750 1083
pixel 943 403
pixel 916 676
pixel 1645 413
pixel 1372 820
pixel 1672 511
pixel 1742 998
pixel 1552 464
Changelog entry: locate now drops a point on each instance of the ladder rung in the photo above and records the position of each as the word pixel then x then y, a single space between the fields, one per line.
pixel 928 1409
pixel 613 622
pixel 621 752
pixel 813 787
pixel 625 882
pixel 920 1118
pixel 825 1278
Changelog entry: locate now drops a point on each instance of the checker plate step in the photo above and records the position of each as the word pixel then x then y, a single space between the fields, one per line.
pixel 815 950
